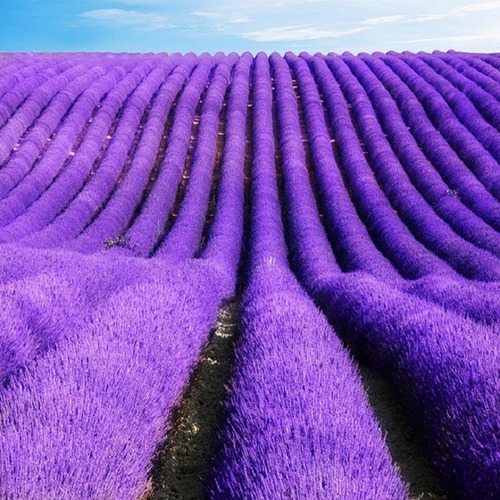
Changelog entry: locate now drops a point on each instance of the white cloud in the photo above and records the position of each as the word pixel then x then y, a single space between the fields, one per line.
pixel 282 3
pixel 477 7
pixel 429 17
pixel 457 12
pixel 459 38
pixel 296 33
pixel 375 21
pixel 123 17
pixel 207 15
pixel 240 19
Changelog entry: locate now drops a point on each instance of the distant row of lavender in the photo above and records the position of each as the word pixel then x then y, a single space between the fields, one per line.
pixel 352 201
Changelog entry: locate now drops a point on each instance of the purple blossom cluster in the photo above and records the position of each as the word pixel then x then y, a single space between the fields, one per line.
pixel 350 203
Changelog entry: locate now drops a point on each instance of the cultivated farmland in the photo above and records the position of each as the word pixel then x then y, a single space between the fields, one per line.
pixel 209 264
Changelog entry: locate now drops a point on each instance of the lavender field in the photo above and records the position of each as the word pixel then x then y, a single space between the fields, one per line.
pixel 345 210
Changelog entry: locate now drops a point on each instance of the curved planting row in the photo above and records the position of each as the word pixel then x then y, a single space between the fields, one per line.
pixel 418 167
pixel 113 441
pixel 45 170
pixel 72 178
pixel 98 404
pixel 471 146
pixel 414 352
pixel 296 421
pixel 350 240
pixel 38 137
pixel 183 240
pixel 112 219
pixel 148 227
pixel 462 182
pixel 411 206
pixel 371 223
pixel 93 195
pixel 387 230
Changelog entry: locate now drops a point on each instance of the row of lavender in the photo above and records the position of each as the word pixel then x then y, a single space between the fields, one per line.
pixel 373 178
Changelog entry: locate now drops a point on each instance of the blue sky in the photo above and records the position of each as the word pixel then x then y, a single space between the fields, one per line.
pixel 239 25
